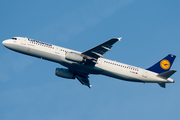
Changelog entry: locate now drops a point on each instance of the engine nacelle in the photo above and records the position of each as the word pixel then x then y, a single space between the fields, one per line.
pixel 74 57
pixel 65 73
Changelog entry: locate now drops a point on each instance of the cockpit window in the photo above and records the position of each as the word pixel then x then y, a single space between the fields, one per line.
pixel 14 38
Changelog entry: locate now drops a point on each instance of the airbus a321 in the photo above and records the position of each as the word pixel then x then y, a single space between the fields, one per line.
pixel 81 64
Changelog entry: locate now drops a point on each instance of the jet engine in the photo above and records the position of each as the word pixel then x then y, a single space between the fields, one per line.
pixel 65 73
pixel 71 56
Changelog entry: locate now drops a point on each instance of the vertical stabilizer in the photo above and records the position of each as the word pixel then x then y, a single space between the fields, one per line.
pixel 163 65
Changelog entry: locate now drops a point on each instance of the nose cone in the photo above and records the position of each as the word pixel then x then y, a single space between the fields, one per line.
pixel 8 43
pixel 4 43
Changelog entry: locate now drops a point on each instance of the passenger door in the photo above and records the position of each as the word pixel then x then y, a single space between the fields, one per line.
pixel 57 50
pixel 144 74
pixel 23 41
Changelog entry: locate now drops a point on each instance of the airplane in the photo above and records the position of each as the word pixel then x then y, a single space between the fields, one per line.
pixel 81 64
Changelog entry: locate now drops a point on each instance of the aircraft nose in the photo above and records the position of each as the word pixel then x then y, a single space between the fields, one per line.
pixel 8 43
pixel 5 43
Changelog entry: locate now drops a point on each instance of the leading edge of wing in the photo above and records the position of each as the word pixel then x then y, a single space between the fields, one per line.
pixel 99 50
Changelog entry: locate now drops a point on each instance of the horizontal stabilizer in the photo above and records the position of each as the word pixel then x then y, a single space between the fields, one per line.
pixel 162 85
pixel 167 74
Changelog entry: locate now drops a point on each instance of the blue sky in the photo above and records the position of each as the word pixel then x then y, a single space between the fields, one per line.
pixel 29 89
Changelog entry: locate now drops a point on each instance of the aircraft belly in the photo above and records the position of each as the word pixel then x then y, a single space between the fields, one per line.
pixel 83 68
pixel 131 76
pixel 121 76
pixel 154 79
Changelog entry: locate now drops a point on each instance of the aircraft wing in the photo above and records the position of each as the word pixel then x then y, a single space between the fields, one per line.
pixel 94 54
pixel 82 77
pixel 99 50
pixel 83 80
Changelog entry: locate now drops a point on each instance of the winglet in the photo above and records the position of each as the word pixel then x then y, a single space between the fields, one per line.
pixel 119 38
pixel 90 86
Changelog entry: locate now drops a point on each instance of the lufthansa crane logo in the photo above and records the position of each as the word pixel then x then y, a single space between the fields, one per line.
pixel 165 64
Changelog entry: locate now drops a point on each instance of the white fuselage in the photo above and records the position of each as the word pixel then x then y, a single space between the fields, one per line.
pixel 103 66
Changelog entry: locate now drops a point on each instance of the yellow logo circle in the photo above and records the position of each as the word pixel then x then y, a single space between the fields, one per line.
pixel 165 64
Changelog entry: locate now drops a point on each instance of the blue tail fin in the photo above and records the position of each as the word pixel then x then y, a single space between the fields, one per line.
pixel 163 65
